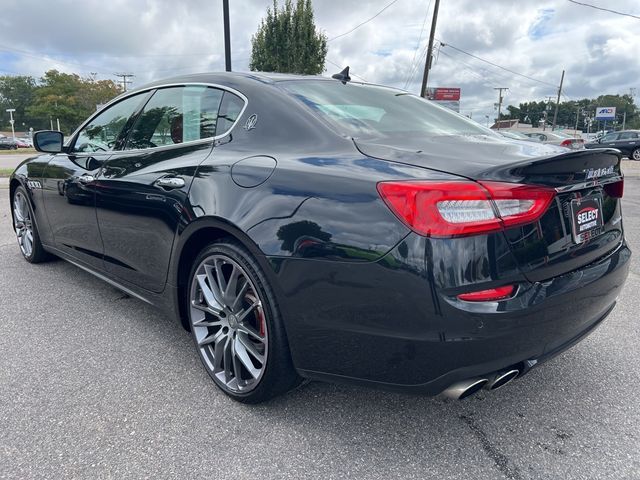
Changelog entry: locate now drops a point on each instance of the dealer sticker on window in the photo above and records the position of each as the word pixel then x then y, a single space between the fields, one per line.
pixel 586 218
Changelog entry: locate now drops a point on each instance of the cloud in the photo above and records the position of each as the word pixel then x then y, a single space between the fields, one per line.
pixel 161 38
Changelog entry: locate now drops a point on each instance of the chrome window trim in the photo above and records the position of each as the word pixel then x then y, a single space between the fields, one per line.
pixel 124 96
pixel 589 184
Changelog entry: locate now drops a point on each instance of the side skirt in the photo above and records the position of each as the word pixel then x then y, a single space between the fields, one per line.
pixel 165 300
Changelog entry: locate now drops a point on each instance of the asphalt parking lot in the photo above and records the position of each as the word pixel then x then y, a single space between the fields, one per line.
pixel 94 384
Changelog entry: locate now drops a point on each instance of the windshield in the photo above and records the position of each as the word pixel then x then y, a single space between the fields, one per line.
pixel 372 111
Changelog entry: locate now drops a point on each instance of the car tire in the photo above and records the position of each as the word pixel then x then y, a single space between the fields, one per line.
pixel 26 228
pixel 635 154
pixel 237 326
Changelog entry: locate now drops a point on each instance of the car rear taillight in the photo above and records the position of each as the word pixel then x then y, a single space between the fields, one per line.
pixel 615 189
pixel 490 295
pixel 566 143
pixel 459 208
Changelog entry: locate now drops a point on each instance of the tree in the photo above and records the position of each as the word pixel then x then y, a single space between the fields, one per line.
pixel 570 111
pixel 16 92
pixel 287 41
pixel 69 98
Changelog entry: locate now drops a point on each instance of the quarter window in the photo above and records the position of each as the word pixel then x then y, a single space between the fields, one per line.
pixel 105 132
pixel 229 112
pixel 177 115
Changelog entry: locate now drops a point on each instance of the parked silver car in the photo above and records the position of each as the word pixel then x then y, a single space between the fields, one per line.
pixel 558 138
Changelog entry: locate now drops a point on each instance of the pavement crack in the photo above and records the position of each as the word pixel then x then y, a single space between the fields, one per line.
pixel 500 460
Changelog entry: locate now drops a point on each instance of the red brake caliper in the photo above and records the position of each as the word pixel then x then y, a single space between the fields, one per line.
pixel 259 315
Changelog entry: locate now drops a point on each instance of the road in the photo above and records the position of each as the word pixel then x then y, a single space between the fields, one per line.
pixel 11 160
pixel 94 384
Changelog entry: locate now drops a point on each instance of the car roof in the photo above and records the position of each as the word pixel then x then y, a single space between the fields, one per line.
pixel 237 78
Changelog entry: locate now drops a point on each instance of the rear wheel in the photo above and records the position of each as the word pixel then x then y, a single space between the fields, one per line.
pixel 635 155
pixel 237 327
pixel 26 229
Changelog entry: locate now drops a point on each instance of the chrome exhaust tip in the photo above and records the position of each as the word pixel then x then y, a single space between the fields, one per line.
pixel 465 388
pixel 502 378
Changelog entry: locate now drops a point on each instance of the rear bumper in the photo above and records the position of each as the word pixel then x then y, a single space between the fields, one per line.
pixel 392 327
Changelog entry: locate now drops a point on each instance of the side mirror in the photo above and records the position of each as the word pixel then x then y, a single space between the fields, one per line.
pixel 48 141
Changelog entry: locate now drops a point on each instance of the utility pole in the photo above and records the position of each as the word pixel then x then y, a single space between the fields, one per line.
pixel 12 121
pixel 500 89
pixel 577 118
pixel 227 36
pixel 427 63
pixel 624 119
pixel 546 113
pixel 555 114
pixel 124 80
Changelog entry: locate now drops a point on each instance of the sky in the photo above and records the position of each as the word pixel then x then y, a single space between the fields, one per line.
pixel 155 39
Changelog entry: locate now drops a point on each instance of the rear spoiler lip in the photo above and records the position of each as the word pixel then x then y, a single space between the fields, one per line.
pixel 527 171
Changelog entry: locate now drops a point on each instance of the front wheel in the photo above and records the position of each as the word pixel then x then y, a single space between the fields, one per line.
pixel 635 155
pixel 237 327
pixel 26 229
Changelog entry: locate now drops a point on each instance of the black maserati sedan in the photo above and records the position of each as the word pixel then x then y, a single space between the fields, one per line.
pixel 318 228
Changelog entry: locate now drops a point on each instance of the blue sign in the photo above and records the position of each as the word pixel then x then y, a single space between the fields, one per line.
pixel 606 113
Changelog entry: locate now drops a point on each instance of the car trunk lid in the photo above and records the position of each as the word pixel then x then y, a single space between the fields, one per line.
pixel 584 181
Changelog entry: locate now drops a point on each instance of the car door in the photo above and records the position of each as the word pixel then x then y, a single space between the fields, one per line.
pixel 142 190
pixel 609 140
pixel 68 182
pixel 627 142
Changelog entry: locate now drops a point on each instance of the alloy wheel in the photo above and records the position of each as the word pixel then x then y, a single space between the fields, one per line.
pixel 636 154
pixel 23 223
pixel 228 323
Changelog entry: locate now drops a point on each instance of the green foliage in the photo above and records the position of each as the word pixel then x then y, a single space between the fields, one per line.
pixel 533 112
pixel 287 41
pixel 67 97
pixel 16 92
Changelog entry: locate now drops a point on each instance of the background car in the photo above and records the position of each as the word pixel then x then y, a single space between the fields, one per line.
pixel 8 143
pixel 22 143
pixel 308 227
pixel 517 135
pixel 558 138
pixel 627 141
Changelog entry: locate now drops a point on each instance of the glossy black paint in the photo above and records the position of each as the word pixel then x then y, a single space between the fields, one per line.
pixel 363 298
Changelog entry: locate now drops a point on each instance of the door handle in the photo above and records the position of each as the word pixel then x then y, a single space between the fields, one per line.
pixel 170 182
pixel 86 178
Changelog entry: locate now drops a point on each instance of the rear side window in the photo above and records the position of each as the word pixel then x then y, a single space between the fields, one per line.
pixel 628 136
pixel 230 110
pixel 177 115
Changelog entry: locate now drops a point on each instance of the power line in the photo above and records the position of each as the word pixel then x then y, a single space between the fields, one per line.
pixel 605 9
pixel 361 24
pixel 424 23
pixel 49 59
pixel 498 66
pixel 340 67
pixel 415 67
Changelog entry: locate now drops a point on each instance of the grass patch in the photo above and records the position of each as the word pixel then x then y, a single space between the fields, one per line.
pixel 19 151
pixel 5 172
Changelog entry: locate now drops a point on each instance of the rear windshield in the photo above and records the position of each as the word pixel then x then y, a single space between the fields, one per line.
pixel 371 111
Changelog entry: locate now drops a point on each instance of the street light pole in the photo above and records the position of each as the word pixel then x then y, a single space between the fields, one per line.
pixel 12 121
pixel 227 35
